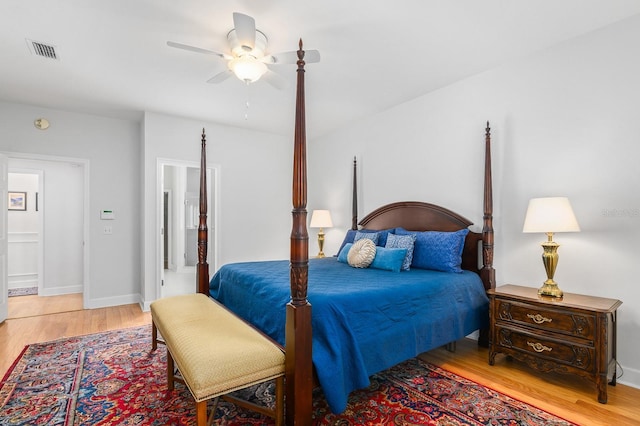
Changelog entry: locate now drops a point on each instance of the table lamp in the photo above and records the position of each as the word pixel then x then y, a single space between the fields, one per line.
pixel 549 215
pixel 321 219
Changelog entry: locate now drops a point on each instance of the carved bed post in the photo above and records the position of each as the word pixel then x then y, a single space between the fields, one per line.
pixel 202 271
pixel 487 273
pixel 354 206
pixel 298 364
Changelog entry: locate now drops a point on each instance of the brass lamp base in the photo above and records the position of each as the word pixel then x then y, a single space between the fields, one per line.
pixel 550 260
pixel 550 289
pixel 321 243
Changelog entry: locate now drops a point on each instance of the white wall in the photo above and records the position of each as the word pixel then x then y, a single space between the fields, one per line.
pixel 121 157
pixel 564 122
pixel 111 148
pixel 254 221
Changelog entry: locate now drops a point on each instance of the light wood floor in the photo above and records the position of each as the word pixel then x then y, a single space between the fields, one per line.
pixel 34 319
pixel 572 398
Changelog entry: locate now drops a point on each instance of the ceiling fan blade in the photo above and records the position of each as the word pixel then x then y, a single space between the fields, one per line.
pixel 197 49
pixel 310 57
pixel 275 79
pixel 245 27
pixel 220 77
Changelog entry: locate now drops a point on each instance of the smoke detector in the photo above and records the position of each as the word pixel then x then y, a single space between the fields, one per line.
pixel 41 123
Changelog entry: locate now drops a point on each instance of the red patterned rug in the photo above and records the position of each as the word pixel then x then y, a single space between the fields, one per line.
pixel 113 378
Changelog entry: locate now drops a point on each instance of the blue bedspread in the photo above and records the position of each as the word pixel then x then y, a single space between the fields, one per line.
pixel 364 320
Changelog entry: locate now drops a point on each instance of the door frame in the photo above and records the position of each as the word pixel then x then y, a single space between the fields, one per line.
pixel 85 164
pixel 40 195
pixel 213 179
pixel 4 246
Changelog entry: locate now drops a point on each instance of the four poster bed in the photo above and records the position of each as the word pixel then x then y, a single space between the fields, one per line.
pixel 364 319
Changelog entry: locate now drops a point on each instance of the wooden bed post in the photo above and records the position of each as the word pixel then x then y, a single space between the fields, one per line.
pixel 354 205
pixel 298 364
pixel 202 271
pixel 488 274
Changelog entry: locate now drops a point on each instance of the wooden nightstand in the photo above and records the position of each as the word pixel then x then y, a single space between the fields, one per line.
pixel 576 334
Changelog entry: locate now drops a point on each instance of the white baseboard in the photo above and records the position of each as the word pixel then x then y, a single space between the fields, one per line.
pixel 145 306
pixel 631 377
pixel 105 302
pixel 27 279
pixel 23 284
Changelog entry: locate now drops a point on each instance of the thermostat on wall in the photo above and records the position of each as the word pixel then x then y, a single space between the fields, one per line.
pixel 107 215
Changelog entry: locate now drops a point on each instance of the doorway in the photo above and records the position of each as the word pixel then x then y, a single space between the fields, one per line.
pixel 24 232
pixel 179 187
pixel 46 240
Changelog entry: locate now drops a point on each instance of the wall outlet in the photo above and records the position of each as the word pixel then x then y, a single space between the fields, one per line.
pixel 107 230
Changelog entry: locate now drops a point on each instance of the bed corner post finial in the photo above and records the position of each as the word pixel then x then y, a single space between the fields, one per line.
pixel 202 270
pixel 298 364
pixel 487 273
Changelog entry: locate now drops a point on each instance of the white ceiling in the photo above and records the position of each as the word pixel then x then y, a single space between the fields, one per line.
pixel 114 61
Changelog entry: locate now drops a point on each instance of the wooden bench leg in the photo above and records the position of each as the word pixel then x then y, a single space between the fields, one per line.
pixel 279 401
pixel 276 413
pixel 170 372
pixel 154 336
pixel 201 413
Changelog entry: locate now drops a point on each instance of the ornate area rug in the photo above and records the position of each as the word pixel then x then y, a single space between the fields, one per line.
pixel 23 291
pixel 113 378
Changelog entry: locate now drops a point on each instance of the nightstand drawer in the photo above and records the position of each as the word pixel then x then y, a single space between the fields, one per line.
pixel 557 351
pixel 554 320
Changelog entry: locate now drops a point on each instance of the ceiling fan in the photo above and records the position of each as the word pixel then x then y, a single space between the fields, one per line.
pixel 247 58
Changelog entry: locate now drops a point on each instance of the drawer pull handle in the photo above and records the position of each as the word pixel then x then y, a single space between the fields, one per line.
pixel 539 319
pixel 539 347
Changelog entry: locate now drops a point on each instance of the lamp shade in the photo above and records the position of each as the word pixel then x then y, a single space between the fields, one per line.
pixel 551 214
pixel 321 219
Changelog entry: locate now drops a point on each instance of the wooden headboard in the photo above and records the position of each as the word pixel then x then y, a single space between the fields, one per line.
pixel 419 216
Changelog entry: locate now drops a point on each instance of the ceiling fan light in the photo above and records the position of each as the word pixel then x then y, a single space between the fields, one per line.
pixel 247 68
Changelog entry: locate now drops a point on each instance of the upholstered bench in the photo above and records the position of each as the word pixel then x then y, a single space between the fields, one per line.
pixel 215 352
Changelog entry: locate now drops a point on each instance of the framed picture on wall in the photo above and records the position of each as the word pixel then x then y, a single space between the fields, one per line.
pixel 17 201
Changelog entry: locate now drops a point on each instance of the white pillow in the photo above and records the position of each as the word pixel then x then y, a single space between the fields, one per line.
pixel 362 253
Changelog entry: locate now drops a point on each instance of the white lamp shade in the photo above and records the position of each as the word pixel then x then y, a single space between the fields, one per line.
pixel 321 219
pixel 552 214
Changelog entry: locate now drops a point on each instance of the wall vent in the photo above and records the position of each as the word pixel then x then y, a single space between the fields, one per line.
pixel 42 49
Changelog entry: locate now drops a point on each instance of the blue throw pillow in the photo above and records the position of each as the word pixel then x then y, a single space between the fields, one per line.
pixel 348 238
pixel 403 241
pixel 344 253
pixel 389 259
pixel 351 233
pixel 373 236
pixel 440 251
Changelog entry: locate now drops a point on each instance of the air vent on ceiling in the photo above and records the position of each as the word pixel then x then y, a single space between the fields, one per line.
pixel 42 49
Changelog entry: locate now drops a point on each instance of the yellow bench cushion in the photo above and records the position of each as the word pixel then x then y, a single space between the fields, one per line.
pixel 215 351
